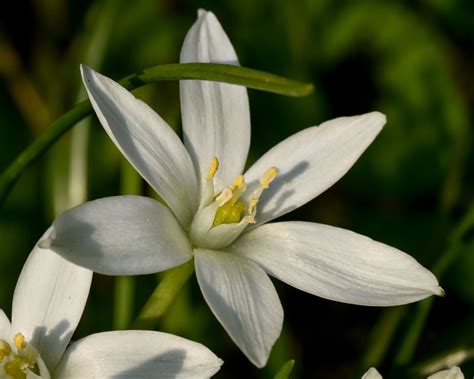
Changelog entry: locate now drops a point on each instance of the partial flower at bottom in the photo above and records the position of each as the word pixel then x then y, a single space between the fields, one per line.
pixel 451 373
pixel 218 216
pixel 48 302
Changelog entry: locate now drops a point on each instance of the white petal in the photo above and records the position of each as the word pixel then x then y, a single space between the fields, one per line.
pixel 243 299
pixel 311 161
pixel 145 139
pixel 48 302
pixel 121 235
pixel 452 373
pixel 31 375
pixel 372 373
pixel 216 116
pixel 4 326
pixel 43 371
pixel 337 264
pixel 137 354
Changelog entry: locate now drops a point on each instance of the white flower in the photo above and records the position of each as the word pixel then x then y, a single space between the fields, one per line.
pixel 372 373
pixel 452 373
pixel 217 216
pixel 47 304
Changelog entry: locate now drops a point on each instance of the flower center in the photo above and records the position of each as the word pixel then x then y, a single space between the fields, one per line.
pixel 222 217
pixel 20 358
pixel 231 210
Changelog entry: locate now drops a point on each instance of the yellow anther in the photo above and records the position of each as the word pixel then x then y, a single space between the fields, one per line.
pixel 268 177
pixel 5 349
pixel 19 341
pixel 238 182
pixel 213 168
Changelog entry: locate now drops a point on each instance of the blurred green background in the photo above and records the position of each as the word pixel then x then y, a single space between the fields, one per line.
pixel 412 189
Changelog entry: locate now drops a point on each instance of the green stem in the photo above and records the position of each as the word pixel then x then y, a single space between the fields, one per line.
pixel 449 358
pixel 202 71
pixel 414 330
pixel 163 296
pixel 381 336
pixel 123 301
pixel 130 184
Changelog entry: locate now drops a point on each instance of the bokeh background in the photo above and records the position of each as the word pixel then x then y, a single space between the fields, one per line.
pixel 412 189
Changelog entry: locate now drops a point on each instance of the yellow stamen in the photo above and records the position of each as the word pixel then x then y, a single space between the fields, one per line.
pixel 253 203
pixel 250 219
pixel 5 349
pixel 19 341
pixel 238 182
pixel 213 168
pixel 224 196
pixel 268 177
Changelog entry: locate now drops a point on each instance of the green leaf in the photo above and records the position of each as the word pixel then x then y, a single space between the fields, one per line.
pixel 201 71
pixel 285 371
pixel 221 73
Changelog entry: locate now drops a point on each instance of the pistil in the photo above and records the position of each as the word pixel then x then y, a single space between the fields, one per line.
pixel 222 217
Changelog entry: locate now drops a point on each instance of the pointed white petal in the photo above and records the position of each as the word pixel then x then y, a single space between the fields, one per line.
pixel 145 139
pixel 337 264
pixel 372 373
pixel 48 302
pixel 137 354
pixel 216 116
pixel 4 326
pixel 452 373
pixel 121 235
pixel 243 299
pixel 311 161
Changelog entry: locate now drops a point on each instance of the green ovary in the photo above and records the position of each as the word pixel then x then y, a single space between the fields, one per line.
pixel 229 213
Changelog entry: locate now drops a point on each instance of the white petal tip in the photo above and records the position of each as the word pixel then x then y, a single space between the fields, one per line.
pixel 451 373
pixel 47 241
pixel 201 12
pixel 86 72
pixel 84 68
pixel 372 373
pixel 439 292
pixel 377 118
pixel 45 244
pixel 259 364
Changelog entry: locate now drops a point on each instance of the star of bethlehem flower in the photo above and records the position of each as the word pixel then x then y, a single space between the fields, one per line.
pixel 451 373
pixel 218 216
pixel 48 302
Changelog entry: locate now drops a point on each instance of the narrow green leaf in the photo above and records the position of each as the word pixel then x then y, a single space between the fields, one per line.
pixel 285 371
pixel 163 296
pixel 202 71
pixel 221 73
